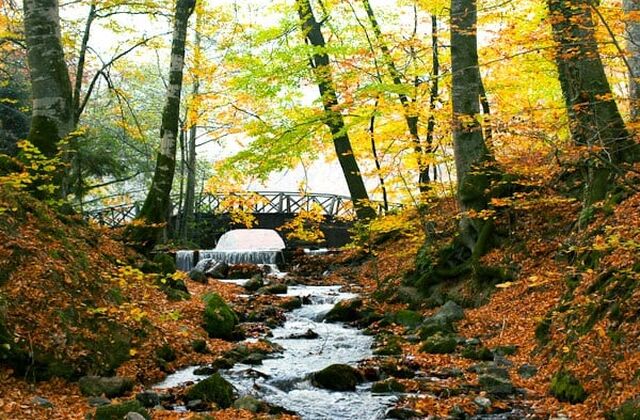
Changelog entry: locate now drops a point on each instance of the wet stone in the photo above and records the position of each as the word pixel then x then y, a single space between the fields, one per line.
pixel 148 398
pixel 197 405
pixel 527 371
pixel 98 401
pixel 307 335
pixel 403 414
pixel 496 385
pixel 42 402
pixel 205 370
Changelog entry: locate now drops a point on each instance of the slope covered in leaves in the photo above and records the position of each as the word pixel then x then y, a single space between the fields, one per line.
pixel 568 303
pixel 70 297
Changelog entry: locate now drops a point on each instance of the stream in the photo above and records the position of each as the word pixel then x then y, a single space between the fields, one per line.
pixel 283 381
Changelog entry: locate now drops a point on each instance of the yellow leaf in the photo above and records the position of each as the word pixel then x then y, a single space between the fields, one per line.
pixel 133 352
pixel 504 285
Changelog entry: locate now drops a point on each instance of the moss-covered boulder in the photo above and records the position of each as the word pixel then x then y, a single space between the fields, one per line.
pixel 442 321
pixel 214 389
pixel 198 276
pixel 439 344
pixel 629 410
pixel 388 346
pixel 199 346
pixel 166 263
pixel 95 386
pixel 496 384
pixel 273 289
pixel 477 353
pixel 219 318
pixel 254 283
pixel 291 303
pixel 345 311
pixel 567 388
pixel 337 377
pixel 166 353
pixel 406 318
pixel 387 386
pixel 119 411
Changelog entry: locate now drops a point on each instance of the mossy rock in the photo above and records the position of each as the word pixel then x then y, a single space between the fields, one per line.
pixel 495 384
pixel 477 353
pixel 390 348
pixel 273 289
pixel 439 344
pixel 407 318
pixel 219 318
pixel 543 331
pixel 198 276
pixel 254 283
pixel 434 325
pixel 387 386
pixel 165 263
pixel 291 303
pixel 214 389
pixel 629 410
pixel 166 353
pixel 175 290
pixel 199 346
pixel 119 411
pixel 345 311
pixel 337 377
pixel 567 388
pixel 95 386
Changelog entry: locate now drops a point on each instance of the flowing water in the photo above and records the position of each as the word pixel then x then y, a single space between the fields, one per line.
pixel 239 246
pixel 283 379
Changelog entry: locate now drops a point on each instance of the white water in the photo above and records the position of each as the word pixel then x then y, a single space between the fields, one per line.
pixel 185 260
pixel 283 380
pixel 239 246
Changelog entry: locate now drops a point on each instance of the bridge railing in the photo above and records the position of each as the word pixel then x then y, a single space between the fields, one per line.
pixel 261 202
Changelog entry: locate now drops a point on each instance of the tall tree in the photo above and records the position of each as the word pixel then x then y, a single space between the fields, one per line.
pixel 632 10
pixel 472 157
pixel 594 119
pixel 52 114
pixel 191 161
pixel 334 120
pixel 157 205
pixel 408 105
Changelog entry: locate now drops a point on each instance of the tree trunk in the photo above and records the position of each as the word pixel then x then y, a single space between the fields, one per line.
pixel 472 158
pixel 77 87
pixel 52 114
pixel 376 158
pixel 190 195
pixel 433 94
pixel 594 119
pixel 633 47
pixel 410 114
pixel 157 205
pixel 319 63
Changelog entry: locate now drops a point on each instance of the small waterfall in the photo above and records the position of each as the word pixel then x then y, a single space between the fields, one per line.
pixel 239 246
pixel 185 260
pixel 240 256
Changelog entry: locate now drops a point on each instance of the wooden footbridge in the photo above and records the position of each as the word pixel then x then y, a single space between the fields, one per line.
pixel 332 206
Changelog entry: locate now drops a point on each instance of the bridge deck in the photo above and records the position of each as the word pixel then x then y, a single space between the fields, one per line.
pixel 257 202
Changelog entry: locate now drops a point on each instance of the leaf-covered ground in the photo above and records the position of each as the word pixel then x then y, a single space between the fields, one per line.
pixel 577 281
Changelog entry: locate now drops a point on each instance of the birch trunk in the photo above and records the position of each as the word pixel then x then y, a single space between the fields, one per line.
pixel 52 114
pixel 157 206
